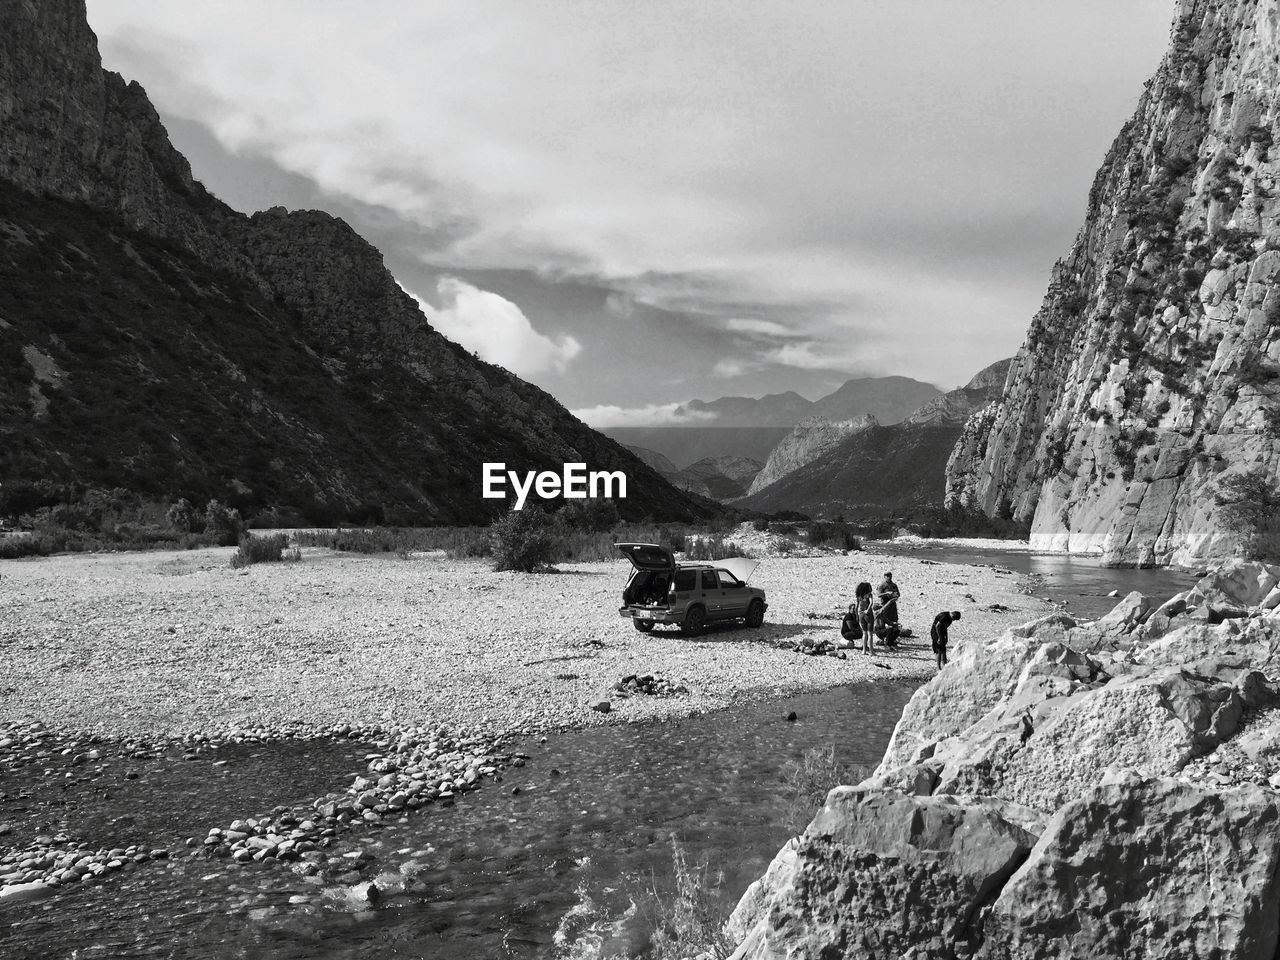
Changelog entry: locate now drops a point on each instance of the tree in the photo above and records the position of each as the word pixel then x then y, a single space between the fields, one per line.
pixel 1250 507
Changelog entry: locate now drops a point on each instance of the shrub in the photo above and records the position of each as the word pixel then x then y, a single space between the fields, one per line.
pixel 1250 505
pixel 760 525
pixel 810 778
pixel 268 549
pixel 591 516
pixel 833 533
pixel 223 523
pixel 711 548
pixel 525 540
pixel 183 516
pixel 691 920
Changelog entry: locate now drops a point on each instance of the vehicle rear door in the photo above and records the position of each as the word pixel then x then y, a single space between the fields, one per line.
pixel 710 584
pixel 734 595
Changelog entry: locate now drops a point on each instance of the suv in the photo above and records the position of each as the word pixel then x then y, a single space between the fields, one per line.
pixel 688 594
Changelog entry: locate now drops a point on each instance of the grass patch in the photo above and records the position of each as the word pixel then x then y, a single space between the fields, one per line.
pixel 811 778
pixel 689 921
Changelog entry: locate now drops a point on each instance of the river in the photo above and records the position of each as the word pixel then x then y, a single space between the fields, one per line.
pixel 561 858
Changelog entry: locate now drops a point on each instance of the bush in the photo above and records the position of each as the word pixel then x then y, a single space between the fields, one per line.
pixel 183 516
pixel 457 542
pixel 590 516
pixel 711 548
pixel 268 549
pixel 223 524
pixel 831 533
pixel 525 540
pixel 1250 505
pixel 760 525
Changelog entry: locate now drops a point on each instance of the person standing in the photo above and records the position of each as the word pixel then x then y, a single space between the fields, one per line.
pixel 886 609
pixel 865 610
pixel 938 634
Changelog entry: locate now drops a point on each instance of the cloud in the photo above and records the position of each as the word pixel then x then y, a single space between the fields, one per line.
pixel 496 329
pixel 766 328
pixel 730 368
pixel 653 415
pixel 692 158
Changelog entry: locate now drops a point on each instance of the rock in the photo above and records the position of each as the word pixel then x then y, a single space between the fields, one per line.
pixel 791 717
pixel 1189 873
pixel 878 874
pixel 602 706
pixel 1114 593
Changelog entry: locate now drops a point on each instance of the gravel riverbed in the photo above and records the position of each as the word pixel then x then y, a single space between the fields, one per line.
pixel 175 644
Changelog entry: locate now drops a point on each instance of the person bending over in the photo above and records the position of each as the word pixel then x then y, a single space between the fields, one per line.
pixel 938 633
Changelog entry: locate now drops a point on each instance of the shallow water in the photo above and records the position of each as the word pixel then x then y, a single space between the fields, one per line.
pixel 1080 582
pixel 550 870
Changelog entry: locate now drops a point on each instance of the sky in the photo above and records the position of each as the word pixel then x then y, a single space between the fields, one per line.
pixel 638 204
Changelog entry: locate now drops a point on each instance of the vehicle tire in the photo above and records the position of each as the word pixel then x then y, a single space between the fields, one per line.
pixel 694 621
pixel 644 626
pixel 755 613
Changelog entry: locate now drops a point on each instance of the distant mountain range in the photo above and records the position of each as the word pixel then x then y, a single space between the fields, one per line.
pixel 863 468
pixel 888 399
pixel 720 478
pixel 156 340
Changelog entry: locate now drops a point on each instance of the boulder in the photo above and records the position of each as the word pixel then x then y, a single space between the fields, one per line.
pixel 1153 868
pixel 879 873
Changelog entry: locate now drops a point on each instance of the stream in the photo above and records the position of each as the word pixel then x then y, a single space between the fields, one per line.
pixel 560 859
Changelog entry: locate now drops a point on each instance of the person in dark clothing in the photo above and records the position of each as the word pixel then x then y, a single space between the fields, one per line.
pixel 886 609
pixel 938 634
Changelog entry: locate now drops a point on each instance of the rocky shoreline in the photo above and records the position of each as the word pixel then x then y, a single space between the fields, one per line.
pixel 1101 789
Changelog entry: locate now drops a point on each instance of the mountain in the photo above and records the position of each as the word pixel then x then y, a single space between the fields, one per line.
pixel 1150 377
pixel 870 470
pixel 156 340
pixel 807 441
pixel 720 478
pixel 655 460
pixel 686 445
pixel 888 399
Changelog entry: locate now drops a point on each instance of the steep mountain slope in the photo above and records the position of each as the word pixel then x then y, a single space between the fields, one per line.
pixel 654 459
pixel 156 339
pixel 877 471
pixel 872 470
pixel 809 440
pixel 720 478
pixel 1151 373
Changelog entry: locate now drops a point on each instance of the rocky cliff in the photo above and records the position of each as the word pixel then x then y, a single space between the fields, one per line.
pixel 155 339
pixel 1104 790
pixel 1151 373
pixel 808 440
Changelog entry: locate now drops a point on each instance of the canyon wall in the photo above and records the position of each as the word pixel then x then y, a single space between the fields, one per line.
pixel 1151 373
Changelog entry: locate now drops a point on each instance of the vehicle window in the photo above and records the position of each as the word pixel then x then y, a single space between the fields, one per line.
pixel 686 580
pixel 728 581
pixel 709 580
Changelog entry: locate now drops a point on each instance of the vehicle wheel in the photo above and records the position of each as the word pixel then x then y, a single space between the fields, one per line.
pixel 755 614
pixel 644 626
pixel 694 621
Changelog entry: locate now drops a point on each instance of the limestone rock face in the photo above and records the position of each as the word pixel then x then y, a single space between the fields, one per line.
pixel 1152 371
pixel 879 874
pixel 808 440
pixel 1140 750
pixel 1146 868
